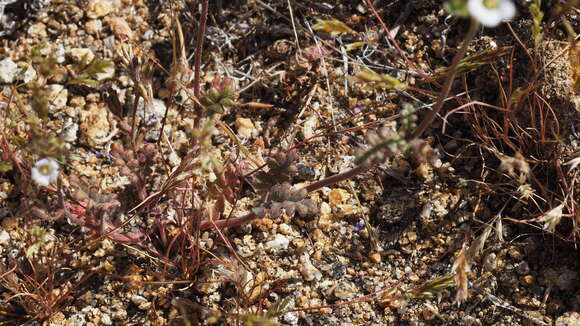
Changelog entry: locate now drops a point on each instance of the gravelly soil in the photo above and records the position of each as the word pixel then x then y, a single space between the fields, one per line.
pixel 330 268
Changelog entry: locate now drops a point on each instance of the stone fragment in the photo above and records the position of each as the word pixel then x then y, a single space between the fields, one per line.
pixel 279 242
pixel 8 71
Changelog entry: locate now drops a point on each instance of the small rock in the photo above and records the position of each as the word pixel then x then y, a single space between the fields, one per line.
pixel 94 26
pixel 57 95
pixel 141 302
pixel 308 271
pixel 59 53
pixel 337 196
pixel 285 229
pixel 291 318
pixel 279 242
pixel 120 28
pixel 344 290
pixel 29 74
pixel 38 31
pixel 77 320
pixel 571 318
pixel 78 54
pixel 154 112
pixel 69 130
pixel 325 209
pixel 8 71
pixel 412 236
pixel 99 8
pixel 4 237
pixel 375 257
pixel 96 125
pixel 490 262
pixel 425 172
pixel 246 128
pixel 120 314
pixel 309 126
pixel 106 319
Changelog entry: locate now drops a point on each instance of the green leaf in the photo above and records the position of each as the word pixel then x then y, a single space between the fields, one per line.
pixel 334 27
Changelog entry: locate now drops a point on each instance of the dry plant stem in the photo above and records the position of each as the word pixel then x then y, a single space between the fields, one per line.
pixel 312 187
pixel 473 26
pixel 198 55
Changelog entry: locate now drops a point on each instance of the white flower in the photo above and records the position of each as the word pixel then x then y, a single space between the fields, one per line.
pixel 45 171
pixel 491 12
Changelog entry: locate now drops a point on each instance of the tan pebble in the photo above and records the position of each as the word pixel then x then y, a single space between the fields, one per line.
pixel 94 26
pixel 337 196
pixel 120 28
pixel 346 210
pixel 344 290
pixel 375 257
pixel 425 172
pixel 9 223
pixel 264 224
pixel 317 234
pixel 38 31
pixel 246 128
pixel 99 8
pixel 324 222
pixel 302 301
pixel 528 279
pixel 412 236
pixel 80 54
pixel 325 209
pixel 317 255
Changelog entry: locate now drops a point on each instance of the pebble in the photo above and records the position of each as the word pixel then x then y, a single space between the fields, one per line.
pixel 4 237
pixel 308 271
pixel 77 54
pixel 94 26
pixel 375 257
pixel 490 262
pixel 95 125
pixel 29 74
pixel 412 236
pixel 279 242
pixel 58 96
pixel 106 319
pixel 141 302
pixel 571 318
pixel 245 128
pixel 99 8
pixel 344 290
pixel 425 172
pixel 37 31
pixel 337 196
pixel 8 71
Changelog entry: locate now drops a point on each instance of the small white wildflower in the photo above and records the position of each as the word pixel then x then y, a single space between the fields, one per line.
pixel 45 171
pixel 491 12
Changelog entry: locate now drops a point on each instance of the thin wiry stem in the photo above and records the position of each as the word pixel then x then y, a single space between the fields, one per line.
pixel 448 82
pixel 198 55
